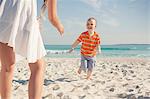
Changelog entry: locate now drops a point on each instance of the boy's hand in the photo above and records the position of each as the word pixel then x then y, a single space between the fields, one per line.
pixel 70 50
pixel 98 52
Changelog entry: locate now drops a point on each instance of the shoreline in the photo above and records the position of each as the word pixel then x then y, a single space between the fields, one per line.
pixel 121 59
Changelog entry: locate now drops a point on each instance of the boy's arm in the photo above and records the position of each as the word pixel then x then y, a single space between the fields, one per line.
pixel 74 45
pixel 98 46
pixel 98 49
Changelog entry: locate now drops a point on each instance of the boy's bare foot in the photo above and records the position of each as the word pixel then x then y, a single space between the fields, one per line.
pixel 79 71
pixel 88 78
pixel 89 73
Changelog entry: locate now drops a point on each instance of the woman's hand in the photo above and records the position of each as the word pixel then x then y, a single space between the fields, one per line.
pixel 52 15
pixel 60 28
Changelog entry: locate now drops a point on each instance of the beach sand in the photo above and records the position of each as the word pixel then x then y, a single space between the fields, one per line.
pixel 113 78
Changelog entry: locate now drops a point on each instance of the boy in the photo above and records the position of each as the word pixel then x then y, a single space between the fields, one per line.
pixel 89 48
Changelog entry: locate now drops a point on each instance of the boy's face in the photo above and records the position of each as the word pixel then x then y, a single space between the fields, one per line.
pixel 91 25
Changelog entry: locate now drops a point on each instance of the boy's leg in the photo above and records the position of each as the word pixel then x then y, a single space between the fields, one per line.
pixel 89 74
pixel 90 69
pixel 79 71
pixel 82 66
pixel 90 66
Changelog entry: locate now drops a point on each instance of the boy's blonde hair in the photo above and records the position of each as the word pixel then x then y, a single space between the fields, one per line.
pixel 92 18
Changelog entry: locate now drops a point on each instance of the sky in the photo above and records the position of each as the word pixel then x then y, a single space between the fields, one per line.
pixel 118 21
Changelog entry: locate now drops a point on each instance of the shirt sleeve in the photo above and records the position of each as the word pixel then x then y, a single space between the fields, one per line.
pixel 98 40
pixel 80 38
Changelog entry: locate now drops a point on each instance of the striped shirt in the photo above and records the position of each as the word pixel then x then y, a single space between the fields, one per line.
pixel 89 43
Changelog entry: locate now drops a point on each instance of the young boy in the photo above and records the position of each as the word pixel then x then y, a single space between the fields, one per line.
pixel 89 48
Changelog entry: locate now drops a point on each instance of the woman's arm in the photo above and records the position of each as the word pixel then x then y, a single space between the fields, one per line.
pixel 52 15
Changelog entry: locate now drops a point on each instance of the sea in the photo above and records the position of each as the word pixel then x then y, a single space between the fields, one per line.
pixel 116 50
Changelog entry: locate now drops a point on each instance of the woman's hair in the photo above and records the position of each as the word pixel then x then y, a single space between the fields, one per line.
pixel 1 1
pixel 43 8
pixel 41 16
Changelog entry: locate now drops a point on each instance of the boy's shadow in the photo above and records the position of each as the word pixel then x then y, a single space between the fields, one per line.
pixel 141 97
pixel 48 82
pixel 132 96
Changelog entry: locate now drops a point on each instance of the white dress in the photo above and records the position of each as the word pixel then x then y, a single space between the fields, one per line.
pixel 19 28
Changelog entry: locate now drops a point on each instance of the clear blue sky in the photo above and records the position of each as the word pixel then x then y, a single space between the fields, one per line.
pixel 118 21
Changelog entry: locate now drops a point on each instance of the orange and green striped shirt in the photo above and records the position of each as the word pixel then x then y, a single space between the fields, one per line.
pixel 89 43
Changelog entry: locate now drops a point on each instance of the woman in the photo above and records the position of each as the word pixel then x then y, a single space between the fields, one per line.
pixel 19 34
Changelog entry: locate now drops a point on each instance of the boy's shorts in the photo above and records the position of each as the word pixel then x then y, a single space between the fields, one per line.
pixel 87 62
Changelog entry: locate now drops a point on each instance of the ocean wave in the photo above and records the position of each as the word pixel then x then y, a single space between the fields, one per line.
pixel 133 48
pixel 116 49
pixel 105 53
pixel 57 51
pixel 143 55
pixel 148 48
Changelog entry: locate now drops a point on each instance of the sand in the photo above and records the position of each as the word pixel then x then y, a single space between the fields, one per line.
pixel 113 78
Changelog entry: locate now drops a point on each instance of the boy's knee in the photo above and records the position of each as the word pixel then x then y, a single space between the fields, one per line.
pixel 90 69
pixel 90 66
